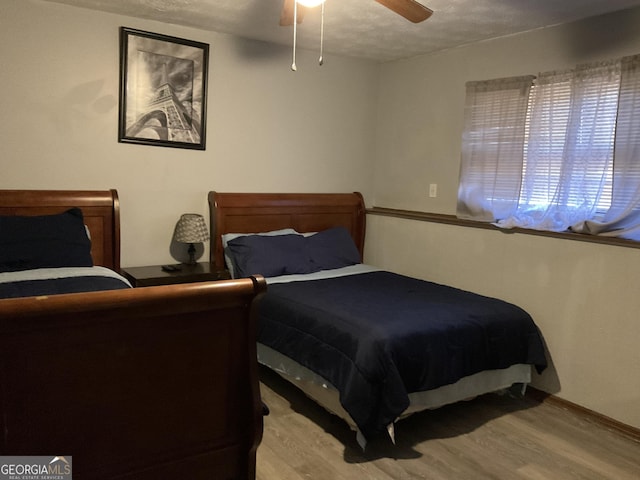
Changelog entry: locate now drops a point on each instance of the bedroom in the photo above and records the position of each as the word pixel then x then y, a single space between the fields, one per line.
pixel 361 133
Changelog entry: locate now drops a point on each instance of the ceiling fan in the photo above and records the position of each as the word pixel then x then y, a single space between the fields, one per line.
pixel 409 9
pixel 295 9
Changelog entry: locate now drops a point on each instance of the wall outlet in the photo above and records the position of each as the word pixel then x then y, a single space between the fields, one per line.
pixel 433 190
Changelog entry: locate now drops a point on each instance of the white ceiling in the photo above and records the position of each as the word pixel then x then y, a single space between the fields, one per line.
pixel 364 28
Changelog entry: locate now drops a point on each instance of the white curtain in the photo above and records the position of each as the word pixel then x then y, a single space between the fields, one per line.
pixel 569 154
pixel 492 147
pixel 623 217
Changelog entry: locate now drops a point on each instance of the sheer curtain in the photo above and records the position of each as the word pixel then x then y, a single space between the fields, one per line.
pixel 569 154
pixel 492 147
pixel 623 217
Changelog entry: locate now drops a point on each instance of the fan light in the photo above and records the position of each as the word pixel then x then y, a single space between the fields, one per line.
pixel 310 3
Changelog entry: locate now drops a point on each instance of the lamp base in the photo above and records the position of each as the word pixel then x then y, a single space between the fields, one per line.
pixel 192 254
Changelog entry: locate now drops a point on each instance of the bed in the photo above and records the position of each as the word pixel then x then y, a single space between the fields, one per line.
pixel 127 383
pixel 370 346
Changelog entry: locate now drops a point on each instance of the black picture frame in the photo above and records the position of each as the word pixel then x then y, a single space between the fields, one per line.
pixel 163 90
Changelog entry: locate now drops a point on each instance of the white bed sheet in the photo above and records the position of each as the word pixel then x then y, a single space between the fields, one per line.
pixel 60 272
pixel 337 272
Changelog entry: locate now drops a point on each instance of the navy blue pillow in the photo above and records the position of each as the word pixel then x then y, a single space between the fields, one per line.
pixel 44 241
pixel 272 256
pixel 332 248
pixel 269 256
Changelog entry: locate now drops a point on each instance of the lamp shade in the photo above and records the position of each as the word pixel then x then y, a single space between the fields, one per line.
pixel 191 229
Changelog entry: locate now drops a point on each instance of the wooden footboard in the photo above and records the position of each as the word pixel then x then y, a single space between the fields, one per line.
pixel 144 383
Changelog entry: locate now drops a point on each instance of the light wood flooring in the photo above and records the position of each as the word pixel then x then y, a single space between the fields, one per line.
pixel 491 437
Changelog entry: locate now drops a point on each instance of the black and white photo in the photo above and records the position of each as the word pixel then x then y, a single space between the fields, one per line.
pixel 162 90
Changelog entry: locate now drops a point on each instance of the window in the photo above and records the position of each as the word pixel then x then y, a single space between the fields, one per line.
pixel 557 152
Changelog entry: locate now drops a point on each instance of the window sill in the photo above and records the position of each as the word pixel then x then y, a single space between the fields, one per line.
pixel 453 220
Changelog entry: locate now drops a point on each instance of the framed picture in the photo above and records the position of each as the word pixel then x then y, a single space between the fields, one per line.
pixel 163 88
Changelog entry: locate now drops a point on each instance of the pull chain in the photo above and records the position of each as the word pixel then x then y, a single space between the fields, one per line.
pixel 321 59
pixel 295 34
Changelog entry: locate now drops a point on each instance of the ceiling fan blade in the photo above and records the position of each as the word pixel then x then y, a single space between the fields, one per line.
pixel 286 15
pixel 409 9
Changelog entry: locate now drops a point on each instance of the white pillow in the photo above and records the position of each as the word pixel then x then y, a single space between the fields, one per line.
pixel 227 237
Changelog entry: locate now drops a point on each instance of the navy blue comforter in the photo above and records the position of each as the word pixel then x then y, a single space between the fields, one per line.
pixel 379 336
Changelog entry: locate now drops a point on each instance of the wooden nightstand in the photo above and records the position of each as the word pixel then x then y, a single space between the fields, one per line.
pixel 155 275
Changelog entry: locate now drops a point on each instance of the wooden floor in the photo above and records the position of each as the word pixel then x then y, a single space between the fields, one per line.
pixel 491 437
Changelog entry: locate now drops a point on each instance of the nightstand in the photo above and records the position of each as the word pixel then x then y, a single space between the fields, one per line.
pixel 155 275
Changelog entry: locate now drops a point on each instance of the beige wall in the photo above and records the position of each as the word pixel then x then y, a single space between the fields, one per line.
pixel 582 296
pixel 268 129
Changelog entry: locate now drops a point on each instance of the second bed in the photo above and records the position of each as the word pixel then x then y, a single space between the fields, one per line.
pixel 369 345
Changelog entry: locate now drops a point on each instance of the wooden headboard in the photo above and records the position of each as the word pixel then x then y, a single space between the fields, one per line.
pixel 100 208
pixel 263 212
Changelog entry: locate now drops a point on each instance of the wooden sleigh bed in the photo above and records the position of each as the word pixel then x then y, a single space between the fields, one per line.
pixel 342 337
pixel 132 383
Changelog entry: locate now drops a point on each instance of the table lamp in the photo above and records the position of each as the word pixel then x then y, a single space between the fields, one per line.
pixel 191 229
